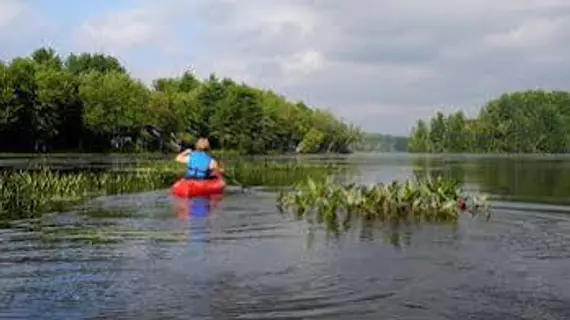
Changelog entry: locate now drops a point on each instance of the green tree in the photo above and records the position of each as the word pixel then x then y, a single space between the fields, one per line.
pixel 114 103
pixel 55 94
pixel 419 139
pixel 87 62
pixel 531 121
pixel 88 102
pixel 457 138
pixel 48 58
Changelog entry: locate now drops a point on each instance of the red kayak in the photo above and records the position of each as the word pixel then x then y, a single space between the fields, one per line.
pixel 193 188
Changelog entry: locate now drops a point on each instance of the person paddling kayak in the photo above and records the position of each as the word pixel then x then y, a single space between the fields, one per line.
pixel 200 164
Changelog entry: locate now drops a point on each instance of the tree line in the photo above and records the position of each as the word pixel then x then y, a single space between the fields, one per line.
pixel 530 121
pixel 377 142
pixel 89 102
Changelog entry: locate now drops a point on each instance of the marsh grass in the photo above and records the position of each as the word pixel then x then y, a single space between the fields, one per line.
pixel 432 200
pixel 25 194
pixel 259 173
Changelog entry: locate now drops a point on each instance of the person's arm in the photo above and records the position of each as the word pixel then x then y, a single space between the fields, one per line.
pixel 213 165
pixel 220 167
pixel 182 157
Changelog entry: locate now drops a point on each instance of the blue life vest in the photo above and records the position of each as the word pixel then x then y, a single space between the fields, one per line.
pixel 198 165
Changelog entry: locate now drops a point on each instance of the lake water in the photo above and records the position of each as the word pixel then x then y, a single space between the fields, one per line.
pixel 146 256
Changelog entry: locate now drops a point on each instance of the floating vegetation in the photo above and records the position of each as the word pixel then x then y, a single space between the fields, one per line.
pixel 80 233
pixel 417 200
pixel 107 235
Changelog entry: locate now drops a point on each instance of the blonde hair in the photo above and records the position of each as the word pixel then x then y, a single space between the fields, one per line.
pixel 202 144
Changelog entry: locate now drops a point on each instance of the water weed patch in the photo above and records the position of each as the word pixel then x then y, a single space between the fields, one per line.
pixel 418 200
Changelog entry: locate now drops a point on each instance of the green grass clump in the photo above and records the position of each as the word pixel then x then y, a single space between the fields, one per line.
pixel 420 200
pixel 257 173
pixel 25 194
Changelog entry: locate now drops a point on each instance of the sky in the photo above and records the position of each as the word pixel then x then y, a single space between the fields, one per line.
pixel 380 64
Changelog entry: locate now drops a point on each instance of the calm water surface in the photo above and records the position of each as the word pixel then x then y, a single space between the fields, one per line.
pixel 147 256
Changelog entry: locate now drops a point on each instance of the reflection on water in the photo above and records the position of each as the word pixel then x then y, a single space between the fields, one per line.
pixel 196 207
pixel 194 215
pixel 150 256
pixel 525 179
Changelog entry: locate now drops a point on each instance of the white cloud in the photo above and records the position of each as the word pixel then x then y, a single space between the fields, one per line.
pixel 540 32
pixel 301 64
pixel 120 30
pixel 272 18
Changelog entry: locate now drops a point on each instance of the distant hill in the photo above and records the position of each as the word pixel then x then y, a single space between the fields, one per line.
pixel 382 143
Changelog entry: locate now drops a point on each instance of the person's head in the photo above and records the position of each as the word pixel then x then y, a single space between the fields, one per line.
pixel 202 144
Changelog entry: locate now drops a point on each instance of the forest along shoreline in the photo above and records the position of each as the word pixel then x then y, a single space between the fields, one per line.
pixel 90 103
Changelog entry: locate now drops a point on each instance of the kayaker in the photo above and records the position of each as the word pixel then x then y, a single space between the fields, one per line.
pixel 200 164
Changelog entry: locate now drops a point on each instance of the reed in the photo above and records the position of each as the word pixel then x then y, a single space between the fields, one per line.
pixel 258 173
pixel 25 194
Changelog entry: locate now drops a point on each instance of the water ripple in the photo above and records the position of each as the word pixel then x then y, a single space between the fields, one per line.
pixel 243 260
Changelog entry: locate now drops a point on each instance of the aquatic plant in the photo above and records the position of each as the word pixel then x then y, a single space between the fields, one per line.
pixel 420 200
pixel 275 174
pixel 44 232
pixel 258 173
pixel 24 194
